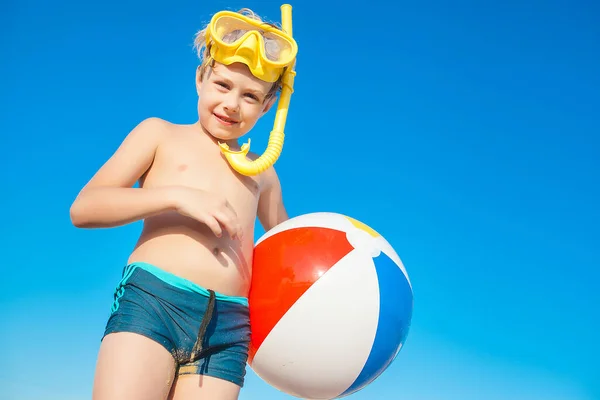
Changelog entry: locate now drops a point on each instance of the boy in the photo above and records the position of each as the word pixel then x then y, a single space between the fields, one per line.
pixel 179 326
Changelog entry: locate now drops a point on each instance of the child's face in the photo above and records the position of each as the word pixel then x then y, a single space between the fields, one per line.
pixel 231 100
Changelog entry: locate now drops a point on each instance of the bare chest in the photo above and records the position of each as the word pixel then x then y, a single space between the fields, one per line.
pixel 200 165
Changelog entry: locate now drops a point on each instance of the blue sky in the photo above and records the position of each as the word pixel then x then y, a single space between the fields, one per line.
pixel 466 133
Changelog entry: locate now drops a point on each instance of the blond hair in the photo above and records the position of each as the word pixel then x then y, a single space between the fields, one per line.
pixel 203 52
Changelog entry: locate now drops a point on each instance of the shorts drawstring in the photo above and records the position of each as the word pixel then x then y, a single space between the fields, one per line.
pixel 203 326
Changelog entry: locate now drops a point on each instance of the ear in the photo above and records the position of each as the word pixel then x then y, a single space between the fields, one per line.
pixel 198 79
pixel 269 103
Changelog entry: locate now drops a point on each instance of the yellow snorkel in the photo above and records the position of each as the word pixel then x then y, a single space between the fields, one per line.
pixel 264 68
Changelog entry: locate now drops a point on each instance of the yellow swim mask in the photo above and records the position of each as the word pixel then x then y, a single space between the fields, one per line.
pixel 270 54
pixel 232 37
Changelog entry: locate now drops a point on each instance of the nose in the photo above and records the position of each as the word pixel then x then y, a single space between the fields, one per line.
pixel 231 102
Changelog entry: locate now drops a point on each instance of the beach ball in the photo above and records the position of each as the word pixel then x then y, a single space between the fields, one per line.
pixel 330 306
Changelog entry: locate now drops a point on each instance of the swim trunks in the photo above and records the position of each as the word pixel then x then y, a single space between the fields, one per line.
pixel 206 332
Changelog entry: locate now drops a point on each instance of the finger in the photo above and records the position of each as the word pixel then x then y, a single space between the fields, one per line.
pixel 239 231
pixel 214 226
pixel 228 220
pixel 236 228
pixel 230 213
pixel 230 208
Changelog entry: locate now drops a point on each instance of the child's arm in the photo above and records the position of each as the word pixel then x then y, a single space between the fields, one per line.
pixel 271 210
pixel 109 199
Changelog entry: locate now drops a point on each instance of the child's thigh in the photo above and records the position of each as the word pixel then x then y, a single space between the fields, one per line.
pixel 189 387
pixel 217 376
pixel 131 367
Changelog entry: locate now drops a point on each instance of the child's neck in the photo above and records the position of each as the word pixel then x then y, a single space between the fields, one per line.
pixel 233 143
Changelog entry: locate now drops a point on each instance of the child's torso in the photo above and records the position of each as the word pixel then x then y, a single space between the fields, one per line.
pixel 184 246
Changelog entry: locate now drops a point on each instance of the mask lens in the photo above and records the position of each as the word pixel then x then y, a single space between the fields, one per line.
pixel 226 25
pixel 234 35
pixel 276 48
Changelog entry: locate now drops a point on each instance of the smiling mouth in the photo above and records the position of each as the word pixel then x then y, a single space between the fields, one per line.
pixel 224 120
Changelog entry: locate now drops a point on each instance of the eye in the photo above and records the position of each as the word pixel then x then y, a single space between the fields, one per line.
pixel 222 84
pixel 252 96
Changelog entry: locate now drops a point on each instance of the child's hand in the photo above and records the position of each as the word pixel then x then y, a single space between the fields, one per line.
pixel 210 209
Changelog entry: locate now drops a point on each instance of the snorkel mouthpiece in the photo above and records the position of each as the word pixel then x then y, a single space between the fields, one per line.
pixel 238 159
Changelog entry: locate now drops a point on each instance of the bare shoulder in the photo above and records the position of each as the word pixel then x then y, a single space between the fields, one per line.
pixel 153 128
pixel 146 135
pixel 159 132
pixel 134 155
pixel 269 178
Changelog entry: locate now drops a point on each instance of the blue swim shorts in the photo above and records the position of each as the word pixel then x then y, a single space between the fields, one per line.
pixel 206 332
